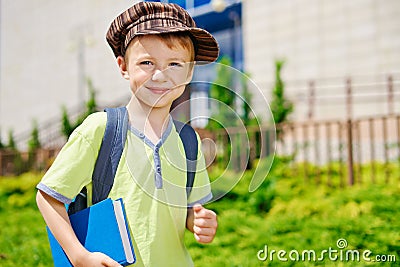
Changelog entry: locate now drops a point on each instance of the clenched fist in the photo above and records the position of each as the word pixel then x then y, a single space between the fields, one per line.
pixel 203 223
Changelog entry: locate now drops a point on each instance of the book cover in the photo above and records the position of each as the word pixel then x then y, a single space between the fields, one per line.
pixel 100 228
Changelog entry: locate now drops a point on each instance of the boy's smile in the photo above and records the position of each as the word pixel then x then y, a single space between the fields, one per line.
pixel 158 91
pixel 157 73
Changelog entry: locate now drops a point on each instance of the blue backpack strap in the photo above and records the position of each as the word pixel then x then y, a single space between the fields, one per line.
pixel 79 203
pixel 107 160
pixel 190 144
pixel 110 153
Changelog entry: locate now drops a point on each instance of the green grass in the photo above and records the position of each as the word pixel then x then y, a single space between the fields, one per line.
pixel 23 239
pixel 285 213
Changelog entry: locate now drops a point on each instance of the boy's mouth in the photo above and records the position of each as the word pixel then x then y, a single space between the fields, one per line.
pixel 158 90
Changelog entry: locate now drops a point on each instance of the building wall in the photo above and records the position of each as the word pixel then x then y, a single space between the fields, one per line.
pixel 326 41
pixel 42 43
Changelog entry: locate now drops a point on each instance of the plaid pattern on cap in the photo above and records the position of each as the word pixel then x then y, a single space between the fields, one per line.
pixel 154 18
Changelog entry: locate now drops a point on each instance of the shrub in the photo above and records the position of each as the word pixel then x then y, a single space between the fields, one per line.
pixel 34 143
pixel 11 141
pixel 280 106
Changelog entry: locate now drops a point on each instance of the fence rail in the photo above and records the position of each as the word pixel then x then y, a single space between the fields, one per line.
pixel 341 147
pixel 50 130
pixel 351 97
pixel 14 162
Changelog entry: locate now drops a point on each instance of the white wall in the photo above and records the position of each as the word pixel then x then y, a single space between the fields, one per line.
pixel 324 40
pixel 39 58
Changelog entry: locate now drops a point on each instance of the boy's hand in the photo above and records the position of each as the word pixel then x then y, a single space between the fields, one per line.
pixel 97 259
pixel 204 224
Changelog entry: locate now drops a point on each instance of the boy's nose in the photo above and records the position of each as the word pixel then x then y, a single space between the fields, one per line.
pixel 159 75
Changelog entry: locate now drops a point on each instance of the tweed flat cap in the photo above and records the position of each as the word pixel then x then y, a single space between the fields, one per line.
pixel 155 18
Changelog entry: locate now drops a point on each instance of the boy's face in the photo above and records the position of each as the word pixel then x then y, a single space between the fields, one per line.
pixel 157 74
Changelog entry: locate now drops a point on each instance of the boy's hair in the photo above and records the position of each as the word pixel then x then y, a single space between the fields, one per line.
pixel 156 18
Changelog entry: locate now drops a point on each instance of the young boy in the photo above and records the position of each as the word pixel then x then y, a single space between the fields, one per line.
pixel 155 45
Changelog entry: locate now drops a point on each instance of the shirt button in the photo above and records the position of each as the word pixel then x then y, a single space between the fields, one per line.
pixel 158 169
pixel 141 135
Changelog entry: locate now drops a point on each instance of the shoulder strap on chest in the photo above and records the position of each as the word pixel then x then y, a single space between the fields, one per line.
pixel 190 144
pixel 110 153
pixel 107 160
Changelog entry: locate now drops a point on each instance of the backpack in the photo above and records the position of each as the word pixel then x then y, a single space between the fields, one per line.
pixel 110 153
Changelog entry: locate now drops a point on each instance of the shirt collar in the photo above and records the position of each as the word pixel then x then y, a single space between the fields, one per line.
pixel 146 140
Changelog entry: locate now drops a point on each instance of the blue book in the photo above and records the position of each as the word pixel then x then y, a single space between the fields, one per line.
pixel 100 228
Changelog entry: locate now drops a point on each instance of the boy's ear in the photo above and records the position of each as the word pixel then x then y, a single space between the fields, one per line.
pixel 123 67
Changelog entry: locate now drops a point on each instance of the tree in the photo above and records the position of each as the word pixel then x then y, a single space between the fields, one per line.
pixel 91 104
pixel 34 143
pixel 67 126
pixel 11 141
pixel 222 87
pixel 247 116
pixel 228 110
pixel 221 90
pixel 280 106
pixel 2 146
pixel 33 146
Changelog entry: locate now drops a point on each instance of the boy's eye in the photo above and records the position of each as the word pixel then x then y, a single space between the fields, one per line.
pixel 146 62
pixel 175 64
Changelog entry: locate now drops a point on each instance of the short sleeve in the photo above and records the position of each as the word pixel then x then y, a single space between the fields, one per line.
pixel 73 166
pixel 201 190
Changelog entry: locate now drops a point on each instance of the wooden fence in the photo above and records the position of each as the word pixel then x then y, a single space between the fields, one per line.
pixel 342 148
pixel 15 162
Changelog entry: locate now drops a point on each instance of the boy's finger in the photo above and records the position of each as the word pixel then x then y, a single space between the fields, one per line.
pixel 205 222
pixel 204 231
pixel 107 261
pixel 197 208
pixel 203 239
pixel 205 213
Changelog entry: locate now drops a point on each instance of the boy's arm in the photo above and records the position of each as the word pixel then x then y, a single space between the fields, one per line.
pixel 202 223
pixel 56 218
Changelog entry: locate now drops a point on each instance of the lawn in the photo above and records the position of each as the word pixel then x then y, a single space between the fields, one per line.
pixel 293 215
pixel 286 218
pixel 23 239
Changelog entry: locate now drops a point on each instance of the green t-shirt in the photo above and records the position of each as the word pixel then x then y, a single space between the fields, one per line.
pixel 151 180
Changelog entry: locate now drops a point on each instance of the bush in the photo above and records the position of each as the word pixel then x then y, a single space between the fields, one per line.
pixel 11 141
pixel 34 143
pixel 18 192
pixel 281 107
